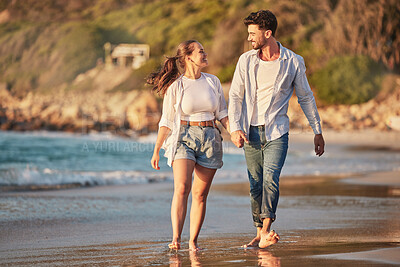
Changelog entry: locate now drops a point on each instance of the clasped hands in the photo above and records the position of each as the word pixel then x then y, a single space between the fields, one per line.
pixel 238 138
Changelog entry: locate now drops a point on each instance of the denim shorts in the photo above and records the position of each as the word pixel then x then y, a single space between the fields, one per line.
pixel 201 144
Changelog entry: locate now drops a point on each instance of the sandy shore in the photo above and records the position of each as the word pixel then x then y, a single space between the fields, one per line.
pixel 323 220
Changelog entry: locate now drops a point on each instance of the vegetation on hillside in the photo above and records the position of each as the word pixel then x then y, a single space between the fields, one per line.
pixel 348 80
pixel 46 43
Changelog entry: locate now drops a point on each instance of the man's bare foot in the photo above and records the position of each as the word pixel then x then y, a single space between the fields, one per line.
pixel 174 245
pixel 253 243
pixel 268 239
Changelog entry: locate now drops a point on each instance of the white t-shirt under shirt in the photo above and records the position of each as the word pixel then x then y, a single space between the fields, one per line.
pixel 265 77
pixel 199 101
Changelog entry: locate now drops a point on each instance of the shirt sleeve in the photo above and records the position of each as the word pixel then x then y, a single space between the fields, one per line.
pixel 236 96
pixel 222 111
pixel 168 110
pixel 306 98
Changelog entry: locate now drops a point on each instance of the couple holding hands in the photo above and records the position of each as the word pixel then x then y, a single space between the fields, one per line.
pixel 262 85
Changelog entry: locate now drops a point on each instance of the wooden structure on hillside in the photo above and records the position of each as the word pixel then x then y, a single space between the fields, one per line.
pixel 126 55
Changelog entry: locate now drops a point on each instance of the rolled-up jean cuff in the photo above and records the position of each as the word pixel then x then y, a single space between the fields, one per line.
pixel 268 215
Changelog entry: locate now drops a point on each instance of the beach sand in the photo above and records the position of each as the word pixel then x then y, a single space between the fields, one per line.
pixel 332 220
pixel 323 220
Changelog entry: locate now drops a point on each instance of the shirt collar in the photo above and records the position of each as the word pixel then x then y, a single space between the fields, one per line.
pixel 283 52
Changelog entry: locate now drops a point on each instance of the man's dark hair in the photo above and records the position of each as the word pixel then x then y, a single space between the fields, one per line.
pixel 265 20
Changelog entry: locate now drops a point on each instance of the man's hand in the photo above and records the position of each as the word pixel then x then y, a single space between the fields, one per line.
pixel 238 138
pixel 319 144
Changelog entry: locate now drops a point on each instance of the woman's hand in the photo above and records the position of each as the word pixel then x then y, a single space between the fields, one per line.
pixel 161 136
pixel 155 159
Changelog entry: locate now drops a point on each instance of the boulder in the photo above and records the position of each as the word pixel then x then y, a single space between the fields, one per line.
pixel 143 113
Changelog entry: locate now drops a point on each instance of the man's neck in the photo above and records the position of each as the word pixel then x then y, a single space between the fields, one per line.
pixel 270 51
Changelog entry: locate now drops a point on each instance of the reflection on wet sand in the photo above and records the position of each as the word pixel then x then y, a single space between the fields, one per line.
pixel 265 258
pixel 318 247
pixel 176 261
pixel 194 259
pixel 262 257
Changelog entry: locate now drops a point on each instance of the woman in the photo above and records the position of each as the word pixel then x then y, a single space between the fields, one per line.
pixel 192 102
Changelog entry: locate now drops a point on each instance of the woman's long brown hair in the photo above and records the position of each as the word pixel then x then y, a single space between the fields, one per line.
pixel 169 72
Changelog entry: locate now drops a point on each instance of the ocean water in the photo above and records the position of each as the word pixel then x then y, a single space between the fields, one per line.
pixel 53 158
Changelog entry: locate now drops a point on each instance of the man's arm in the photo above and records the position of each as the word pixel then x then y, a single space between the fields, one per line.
pixel 236 97
pixel 306 98
pixel 307 102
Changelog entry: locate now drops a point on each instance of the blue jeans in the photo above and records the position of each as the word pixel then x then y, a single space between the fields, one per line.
pixel 265 160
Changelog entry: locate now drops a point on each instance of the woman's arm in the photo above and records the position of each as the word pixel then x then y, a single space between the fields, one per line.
pixel 165 125
pixel 225 122
pixel 162 134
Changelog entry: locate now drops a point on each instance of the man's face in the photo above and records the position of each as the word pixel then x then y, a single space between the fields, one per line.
pixel 256 36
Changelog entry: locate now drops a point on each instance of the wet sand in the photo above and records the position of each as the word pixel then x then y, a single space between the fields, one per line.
pixel 327 220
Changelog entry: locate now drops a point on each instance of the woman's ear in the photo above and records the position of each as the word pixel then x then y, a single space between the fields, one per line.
pixel 187 58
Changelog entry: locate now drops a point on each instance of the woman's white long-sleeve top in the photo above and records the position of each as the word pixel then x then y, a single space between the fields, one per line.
pixel 172 111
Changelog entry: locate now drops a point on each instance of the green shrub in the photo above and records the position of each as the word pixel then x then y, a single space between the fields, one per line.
pixel 348 80
pixel 226 73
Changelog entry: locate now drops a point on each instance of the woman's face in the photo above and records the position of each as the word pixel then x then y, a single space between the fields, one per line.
pixel 198 56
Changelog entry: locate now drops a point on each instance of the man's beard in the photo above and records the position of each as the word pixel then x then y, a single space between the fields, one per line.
pixel 257 46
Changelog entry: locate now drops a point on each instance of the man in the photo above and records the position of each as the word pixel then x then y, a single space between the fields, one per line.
pixel 262 85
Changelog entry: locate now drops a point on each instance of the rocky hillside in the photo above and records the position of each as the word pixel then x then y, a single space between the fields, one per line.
pixel 46 43
pixel 376 114
pixel 129 113
pixel 77 110
pixel 51 54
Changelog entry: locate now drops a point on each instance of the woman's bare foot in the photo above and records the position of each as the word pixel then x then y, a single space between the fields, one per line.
pixel 193 246
pixel 268 239
pixel 174 245
pixel 253 243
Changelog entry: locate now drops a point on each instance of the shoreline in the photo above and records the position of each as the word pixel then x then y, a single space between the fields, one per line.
pixel 376 178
